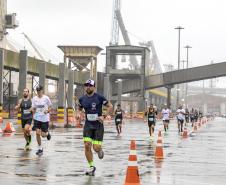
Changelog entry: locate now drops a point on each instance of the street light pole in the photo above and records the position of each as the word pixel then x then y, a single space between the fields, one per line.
pixel 178 28
pixel 183 88
pixel 186 91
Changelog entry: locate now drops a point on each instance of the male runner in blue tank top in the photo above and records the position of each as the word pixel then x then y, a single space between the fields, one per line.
pixel 93 131
pixel 24 106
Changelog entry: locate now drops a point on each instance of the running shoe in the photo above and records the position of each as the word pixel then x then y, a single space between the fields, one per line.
pixel 100 154
pixel 39 152
pixel 27 146
pixel 91 171
pixel 48 136
pixel 29 139
pixel 151 138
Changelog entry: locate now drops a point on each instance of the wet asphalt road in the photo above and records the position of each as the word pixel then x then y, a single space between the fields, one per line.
pixel 197 160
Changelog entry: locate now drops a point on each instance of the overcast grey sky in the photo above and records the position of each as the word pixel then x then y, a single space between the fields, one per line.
pixel 88 22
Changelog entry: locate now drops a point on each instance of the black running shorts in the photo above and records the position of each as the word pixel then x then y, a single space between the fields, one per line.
pixel 151 123
pixel 93 132
pixel 26 122
pixel 44 126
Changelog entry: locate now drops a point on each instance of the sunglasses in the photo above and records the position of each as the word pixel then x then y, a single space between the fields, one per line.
pixel 88 85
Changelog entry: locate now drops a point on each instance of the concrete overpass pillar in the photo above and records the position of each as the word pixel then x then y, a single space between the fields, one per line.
pixel 120 92
pixel 42 74
pixel 70 93
pixel 61 94
pixel 168 96
pixel 141 106
pixel 153 101
pixel 205 109
pixel 107 87
pixel 222 108
pixel 1 78
pixel 23 60
pixel 147 99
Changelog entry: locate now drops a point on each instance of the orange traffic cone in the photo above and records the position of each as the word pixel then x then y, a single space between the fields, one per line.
pixel 9 128
pixel 159 148
pixel 132 174
pixel 185 133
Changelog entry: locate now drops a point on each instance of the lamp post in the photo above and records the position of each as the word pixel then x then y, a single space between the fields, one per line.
pixel 183 89
pixel 186 90
pixel 179 28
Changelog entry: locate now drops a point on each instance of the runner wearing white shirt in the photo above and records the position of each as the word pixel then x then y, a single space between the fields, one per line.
pixel 166 117
pixel 41 105
pixel 181 117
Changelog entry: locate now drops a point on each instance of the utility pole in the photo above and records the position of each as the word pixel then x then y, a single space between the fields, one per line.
pixel 183 89
pixel 179 28
pixel 186 90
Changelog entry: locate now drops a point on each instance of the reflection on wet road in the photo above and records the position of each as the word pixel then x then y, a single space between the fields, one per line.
pixel 199 159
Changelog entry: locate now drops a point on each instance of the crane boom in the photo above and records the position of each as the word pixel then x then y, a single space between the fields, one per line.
pixel 126 39
pixel 33 46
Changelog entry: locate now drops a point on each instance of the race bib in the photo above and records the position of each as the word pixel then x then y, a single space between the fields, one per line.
pixel 26 111
pixel 118 119
pixel 92 117
pixel 151 119
pixel 40 110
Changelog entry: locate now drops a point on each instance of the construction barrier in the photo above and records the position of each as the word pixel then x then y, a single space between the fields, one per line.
pixel 132 174
pixel 79 121
pixel 18 118
pixel 70 117
pixel 60 115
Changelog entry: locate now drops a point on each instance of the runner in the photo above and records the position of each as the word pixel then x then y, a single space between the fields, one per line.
pixel 196 115
pixel 93 131
pixel 166 117
pixel 41 105
pixel 181 117
pixel 186 116
pixel 118 118
pixel 24 106
pixel 151 117
pixel 200 115
pixel 192 116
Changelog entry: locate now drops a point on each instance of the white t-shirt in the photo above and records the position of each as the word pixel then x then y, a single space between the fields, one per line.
pixel 41 105
pixel 180 116
pixel 165 114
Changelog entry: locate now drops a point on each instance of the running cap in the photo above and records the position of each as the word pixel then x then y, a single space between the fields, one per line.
pixel 39 88
pixel 90 82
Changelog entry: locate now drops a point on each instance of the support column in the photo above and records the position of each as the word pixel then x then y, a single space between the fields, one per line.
pixel 107 87
pixel 70 88
pixel 22 72
pixel 1 79
pixel 120 92
pixel 70 99
pixel 61 94
pixel 42 74
pixel 222 108
pixel 205 108
pixel 168 96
